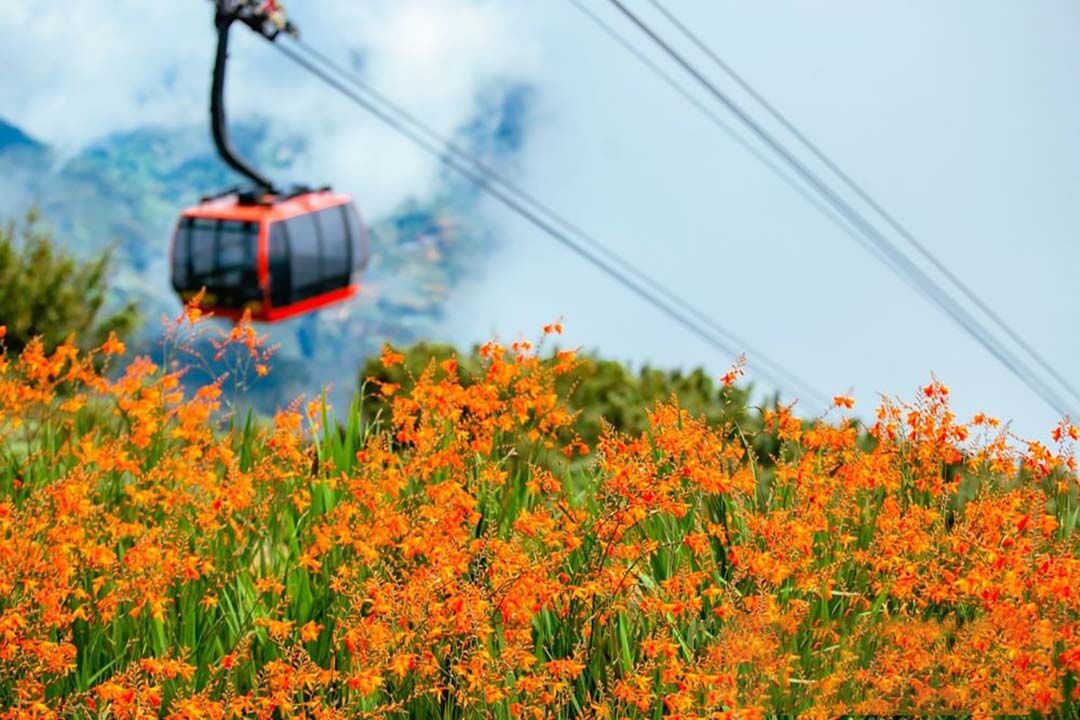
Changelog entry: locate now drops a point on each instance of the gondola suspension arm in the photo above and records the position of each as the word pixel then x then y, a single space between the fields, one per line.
pixel 267 18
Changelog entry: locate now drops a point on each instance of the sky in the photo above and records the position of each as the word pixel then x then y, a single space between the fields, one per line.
pixel 961 118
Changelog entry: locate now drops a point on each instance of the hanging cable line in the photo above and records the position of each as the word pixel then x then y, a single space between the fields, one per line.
pixel 716 120
pixel 788 378
pixel 534 212
pixel 713 117
pixel 865 196
pixel 897 260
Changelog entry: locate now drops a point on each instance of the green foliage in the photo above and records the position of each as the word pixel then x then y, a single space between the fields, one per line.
pixel 47 292
pixel 600 391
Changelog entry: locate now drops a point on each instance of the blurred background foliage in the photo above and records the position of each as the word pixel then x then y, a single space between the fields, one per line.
pixel 46 291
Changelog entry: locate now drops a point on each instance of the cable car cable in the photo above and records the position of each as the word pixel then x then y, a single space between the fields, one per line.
pixel 713 117
pixel 899 262
pixel 517 206
pixel 865 196
pixel 791 380
pixel 533 217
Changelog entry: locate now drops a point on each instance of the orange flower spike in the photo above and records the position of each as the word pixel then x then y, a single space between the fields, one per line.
pixel 365 682
pixel 1023 522
pixel 390 358
pixel 113 345
pixel 193 313
pixel 737 370
pixel 278 629
pixel 402 663
pixel 844 401
pixel 555 328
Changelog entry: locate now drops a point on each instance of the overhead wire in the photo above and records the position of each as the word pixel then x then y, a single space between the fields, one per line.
pixel 745 144
pixel 865 196
pixel 538 215
pixel 716 120
pixel 898 261
pixel 757 357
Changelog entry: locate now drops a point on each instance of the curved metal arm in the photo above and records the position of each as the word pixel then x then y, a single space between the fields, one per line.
pixel 223 21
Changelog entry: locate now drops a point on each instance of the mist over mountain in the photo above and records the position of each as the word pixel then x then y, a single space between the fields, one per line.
pixel 125 191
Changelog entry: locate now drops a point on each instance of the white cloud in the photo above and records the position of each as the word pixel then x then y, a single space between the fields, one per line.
pixel 76 71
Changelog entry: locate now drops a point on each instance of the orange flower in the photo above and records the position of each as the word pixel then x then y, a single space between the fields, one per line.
pixel 365 682
pixel 452 558
pixel 192 310
pixel 310 631
pixel 386 389
pixel 402 663
pixel 278 629
pixel 736 371
pixel 390 358
pixel 113 345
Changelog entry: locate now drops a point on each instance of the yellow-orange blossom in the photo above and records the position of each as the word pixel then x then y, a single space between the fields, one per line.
pixel 154 561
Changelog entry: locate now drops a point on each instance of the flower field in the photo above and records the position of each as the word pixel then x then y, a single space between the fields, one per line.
pixel 468 557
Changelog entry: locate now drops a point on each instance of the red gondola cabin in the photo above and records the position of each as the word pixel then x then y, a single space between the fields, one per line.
pixel 276 259
pixel 275 254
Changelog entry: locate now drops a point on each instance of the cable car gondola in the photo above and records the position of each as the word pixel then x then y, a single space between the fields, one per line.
pixel 259 250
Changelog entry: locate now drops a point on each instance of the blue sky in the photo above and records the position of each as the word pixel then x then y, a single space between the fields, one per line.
pixel 962 118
